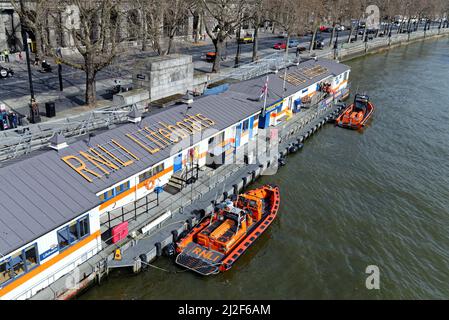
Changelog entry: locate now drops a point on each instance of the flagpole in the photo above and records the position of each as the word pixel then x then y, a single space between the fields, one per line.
pixel 265 99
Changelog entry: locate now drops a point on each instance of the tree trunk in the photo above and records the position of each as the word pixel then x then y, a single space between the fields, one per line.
pixel 400 26
pixel 218 43
pixel 332 35
pixel 39 43
pixel 255 43
pixel 144 31
pixel 91 96
pixel 237 55
pixel 313 40
pixel 350 33
pixel 170 44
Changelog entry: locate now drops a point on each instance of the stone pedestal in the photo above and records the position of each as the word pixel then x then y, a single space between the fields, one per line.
pixel 164 76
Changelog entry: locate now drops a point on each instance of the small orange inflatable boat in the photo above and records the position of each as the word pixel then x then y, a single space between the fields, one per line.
pixel 218 241
pixel 357 114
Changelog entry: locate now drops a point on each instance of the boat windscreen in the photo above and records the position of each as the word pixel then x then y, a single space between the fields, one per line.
pixel 360 104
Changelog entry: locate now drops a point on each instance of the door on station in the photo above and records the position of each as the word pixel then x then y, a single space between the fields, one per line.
pixel 177 163
pixel 238 135
pixel 251 126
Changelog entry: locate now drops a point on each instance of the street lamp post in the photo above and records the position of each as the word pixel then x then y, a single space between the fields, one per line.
pixel 336 46
pixel 34 107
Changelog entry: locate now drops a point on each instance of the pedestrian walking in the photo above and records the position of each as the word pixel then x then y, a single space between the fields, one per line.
pixel 6 54
pixel 297 51
pixel 20 56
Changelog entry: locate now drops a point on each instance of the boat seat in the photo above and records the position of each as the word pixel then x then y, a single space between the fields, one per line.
pixel 222 229
pixel 209 229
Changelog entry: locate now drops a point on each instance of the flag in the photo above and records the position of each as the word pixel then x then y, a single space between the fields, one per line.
pixel 264 89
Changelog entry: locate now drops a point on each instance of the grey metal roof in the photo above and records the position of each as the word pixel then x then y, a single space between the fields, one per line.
pixel 41 192
pixel 253 87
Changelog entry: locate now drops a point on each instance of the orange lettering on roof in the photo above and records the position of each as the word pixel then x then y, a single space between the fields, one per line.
pixel 80 168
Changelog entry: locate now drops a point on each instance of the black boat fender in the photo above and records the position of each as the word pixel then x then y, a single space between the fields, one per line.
pixel 175 235
pixel 190 223
pixel 158 249
pixel 292 148
pixel 282 161
pixel 169 250
pixel 236 189
pixel 143 258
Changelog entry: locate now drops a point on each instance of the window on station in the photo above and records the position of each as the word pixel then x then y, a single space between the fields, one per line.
pixel 31 257
pixel 18 264
pixel 111 193
pixel 346 75
pixel 83 227
pixel 73 232
pixel 121 188
pixel 5 274
pixel 63 238
pixel 146 175
pixel 245 125
pixel 158 169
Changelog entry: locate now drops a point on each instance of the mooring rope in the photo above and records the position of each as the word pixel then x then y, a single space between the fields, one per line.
pixel 174 272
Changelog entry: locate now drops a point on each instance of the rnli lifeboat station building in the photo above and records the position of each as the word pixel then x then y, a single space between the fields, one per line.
pixel 53 199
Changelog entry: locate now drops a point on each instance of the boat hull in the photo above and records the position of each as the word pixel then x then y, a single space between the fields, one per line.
pixel 341 122
pixel 207 261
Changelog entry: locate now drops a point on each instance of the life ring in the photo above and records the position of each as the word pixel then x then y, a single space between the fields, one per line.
pixel 149 184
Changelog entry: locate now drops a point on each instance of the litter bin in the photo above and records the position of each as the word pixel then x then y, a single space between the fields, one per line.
pixel 50 110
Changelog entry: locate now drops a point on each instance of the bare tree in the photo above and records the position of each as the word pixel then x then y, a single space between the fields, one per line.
pixel 222 17
pixel 289 15
pixel 33 13
pixel 175 15
pixel 150 24
pixel 95 34
pixel 257 17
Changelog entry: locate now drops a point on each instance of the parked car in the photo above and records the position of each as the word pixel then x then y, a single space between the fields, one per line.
pixel 6 72
pixel 210 56
pixel 325 29
pixel 293 43
pixel 280 46
pixel 340 27
pixel 248 38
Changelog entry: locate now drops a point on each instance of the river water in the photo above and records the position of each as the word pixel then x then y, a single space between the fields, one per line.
pixel 348 200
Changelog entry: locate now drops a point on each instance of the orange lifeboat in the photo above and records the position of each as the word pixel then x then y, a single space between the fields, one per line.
pixel 357 114
pixel 216 243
